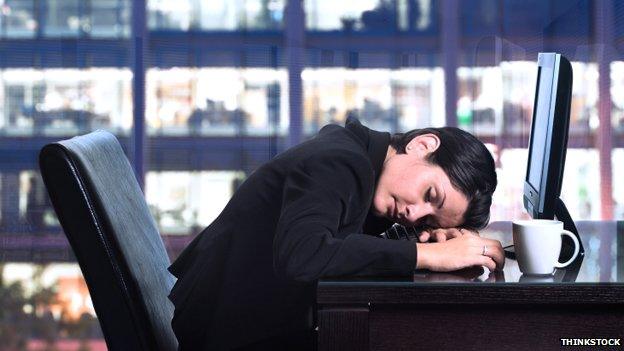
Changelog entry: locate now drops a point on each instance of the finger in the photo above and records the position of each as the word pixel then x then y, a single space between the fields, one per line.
pixel 495 251
pixel 488 262
pixel 494 247
pixel 492 253
pixel 452 233
pixel 499 258
pixel 440 236
pixel 424 236
pixel 497 255
pixel 480 248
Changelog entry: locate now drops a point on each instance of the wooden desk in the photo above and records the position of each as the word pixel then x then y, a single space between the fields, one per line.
pixel 475 310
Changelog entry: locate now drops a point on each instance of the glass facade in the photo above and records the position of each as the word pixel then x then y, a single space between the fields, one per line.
pixel 617 84
pixel 65 18
pixel 18 19
pixel 186 101
pixel 109 18
pixel 64 71
pixel 65 101
pixel 178 200
pixel 219 15
pixel 618 187
pixel 499 100
pixel 230 84
pixel 371 15
pixel 384 99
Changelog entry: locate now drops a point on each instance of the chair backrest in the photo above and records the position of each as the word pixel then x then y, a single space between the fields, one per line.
pixel 115 239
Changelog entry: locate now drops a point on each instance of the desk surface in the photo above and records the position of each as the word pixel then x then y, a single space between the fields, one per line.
pixel 600 278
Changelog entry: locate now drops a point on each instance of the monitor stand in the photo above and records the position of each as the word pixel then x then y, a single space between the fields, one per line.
pixel 567 249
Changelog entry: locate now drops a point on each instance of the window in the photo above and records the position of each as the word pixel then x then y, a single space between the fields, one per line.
pixel 188 101
pixel 65 101
pixel 383 99
pixel 18 19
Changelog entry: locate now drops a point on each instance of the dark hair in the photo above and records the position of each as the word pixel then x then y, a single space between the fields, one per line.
pixel 468 164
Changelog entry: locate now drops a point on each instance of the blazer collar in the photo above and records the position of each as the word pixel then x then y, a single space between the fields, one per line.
pixel 375 142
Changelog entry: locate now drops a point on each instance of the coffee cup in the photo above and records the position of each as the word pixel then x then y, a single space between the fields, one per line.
pixel 537 244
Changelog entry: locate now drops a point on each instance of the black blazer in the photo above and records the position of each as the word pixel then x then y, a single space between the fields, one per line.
pixel 303 215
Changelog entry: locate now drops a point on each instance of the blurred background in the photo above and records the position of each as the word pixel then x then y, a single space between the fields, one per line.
pixel 200 93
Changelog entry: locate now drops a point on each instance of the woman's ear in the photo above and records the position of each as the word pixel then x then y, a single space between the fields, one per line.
pixel 423 144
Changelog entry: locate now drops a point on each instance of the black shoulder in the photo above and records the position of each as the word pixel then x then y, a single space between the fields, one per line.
pixel 329 128
pixel 341 169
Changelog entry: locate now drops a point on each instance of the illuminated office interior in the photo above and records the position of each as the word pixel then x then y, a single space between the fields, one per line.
pixel 200 93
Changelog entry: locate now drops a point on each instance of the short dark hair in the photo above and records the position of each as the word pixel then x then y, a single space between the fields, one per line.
pixel 468 164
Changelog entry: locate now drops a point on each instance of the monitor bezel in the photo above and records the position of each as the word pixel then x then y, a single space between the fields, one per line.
pixel 540 203
pixel 545 203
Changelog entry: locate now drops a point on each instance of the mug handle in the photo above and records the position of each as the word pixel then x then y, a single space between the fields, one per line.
pixel 576 249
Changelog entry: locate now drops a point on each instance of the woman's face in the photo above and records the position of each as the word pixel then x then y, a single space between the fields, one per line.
pixel 411 191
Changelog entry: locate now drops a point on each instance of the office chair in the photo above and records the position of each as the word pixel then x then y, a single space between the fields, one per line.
pixel 115 239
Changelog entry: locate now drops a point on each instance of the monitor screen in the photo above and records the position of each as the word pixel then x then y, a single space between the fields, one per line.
pixel 548 144
pixel 549 135
pixel 540 125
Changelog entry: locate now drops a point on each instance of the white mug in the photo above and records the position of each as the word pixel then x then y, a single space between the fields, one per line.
pixel 537 244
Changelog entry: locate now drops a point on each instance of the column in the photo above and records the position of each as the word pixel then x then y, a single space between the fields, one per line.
pixel 450 50
pixel 603 28
pixel 295 53
pixel 9 195
pixel 139 33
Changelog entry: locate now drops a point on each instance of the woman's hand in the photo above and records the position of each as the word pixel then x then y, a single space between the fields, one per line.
pixel 443 234
pixel 460 252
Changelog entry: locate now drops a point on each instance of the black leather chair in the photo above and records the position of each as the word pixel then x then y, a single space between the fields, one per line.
pixel 115 239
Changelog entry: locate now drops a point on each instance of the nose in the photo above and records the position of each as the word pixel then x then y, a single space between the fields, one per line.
pixel 413 213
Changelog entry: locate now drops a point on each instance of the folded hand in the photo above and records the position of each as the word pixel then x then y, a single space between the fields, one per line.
pixel 443 234
pixel 460 252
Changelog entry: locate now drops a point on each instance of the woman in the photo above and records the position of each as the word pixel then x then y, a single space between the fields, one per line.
pixel 248 280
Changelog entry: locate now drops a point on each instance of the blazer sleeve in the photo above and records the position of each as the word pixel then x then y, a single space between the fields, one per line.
pixel 321 193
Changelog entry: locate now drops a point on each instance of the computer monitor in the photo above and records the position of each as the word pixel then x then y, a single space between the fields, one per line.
pixel 548 144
